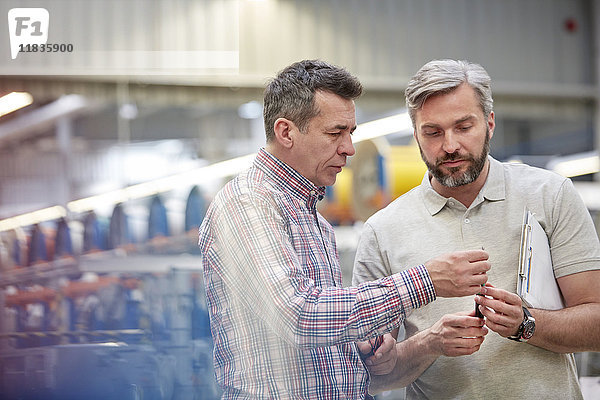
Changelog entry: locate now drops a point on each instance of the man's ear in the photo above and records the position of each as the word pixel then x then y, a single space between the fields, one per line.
pixel 284 132
pixel 491 123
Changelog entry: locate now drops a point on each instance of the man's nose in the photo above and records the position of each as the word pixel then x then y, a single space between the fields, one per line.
pixel 346 147
pixel 450 143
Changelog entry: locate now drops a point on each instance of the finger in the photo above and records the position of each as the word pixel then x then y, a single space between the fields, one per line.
pixel 474 288
pixel 387 346
pixel 464 342
pixel 494 309
pixel 501 294
pixel 462 351
pixel 496 323
pixel 460 332
pixel 505 318
pixel 479 280
pixel 474 332
pixel 500 306
pixel 364 347
pixel 384 352
pixel 478 273
pixel 500 323
pixel 476 255
pixel 473 321
pixel 464 346
pixel 479 267
pixel 500 328
pixel 462 320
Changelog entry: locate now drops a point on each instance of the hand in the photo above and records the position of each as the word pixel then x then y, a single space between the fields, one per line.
pixel 385 357
pixel 457 334
pixel 502 309
pixel 458 274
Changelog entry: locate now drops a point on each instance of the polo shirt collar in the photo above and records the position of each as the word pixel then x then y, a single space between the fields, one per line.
pixel 289 178
pixel 494 189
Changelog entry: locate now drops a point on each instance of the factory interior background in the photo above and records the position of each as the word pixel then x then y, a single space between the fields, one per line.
pixel 144 109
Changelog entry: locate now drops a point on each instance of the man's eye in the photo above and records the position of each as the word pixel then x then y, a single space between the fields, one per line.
pixel 464 128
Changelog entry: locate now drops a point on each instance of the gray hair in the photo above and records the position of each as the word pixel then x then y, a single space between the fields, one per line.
pixel 444 76
pixel 291 94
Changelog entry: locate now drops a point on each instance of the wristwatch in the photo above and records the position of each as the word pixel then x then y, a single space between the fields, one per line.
pixel 526 328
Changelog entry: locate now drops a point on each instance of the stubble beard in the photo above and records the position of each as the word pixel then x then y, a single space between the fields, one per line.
pixel 449 179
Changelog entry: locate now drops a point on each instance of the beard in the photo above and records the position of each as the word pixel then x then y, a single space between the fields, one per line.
pixel 453 178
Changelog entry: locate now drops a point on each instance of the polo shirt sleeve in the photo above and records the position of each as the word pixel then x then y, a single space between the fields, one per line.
pixel 573 240
pixel 370 261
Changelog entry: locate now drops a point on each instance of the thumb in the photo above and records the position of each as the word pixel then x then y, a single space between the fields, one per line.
pixel 364 347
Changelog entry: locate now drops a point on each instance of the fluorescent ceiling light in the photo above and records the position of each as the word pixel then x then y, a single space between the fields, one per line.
pixel 223 169
pixel 13 101
pixel 382 127
pixel 45 214
pixel 214 171
pixel 582 165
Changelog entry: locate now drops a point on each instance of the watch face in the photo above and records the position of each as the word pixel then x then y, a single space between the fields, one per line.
pixel 528 330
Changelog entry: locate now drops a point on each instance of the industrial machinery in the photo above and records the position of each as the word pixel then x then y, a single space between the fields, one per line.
pixel 121 320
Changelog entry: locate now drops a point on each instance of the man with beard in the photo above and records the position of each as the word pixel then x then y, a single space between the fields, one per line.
pixel 468 200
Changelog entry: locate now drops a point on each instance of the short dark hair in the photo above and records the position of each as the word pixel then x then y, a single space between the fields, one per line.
pixel 291 94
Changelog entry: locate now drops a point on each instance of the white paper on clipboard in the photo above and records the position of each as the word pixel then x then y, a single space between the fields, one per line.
pixel 536 283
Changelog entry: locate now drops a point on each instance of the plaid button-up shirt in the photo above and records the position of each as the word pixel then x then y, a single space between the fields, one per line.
pixel 282 324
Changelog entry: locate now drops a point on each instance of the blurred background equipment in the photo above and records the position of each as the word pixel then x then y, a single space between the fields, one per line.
pixel 111 152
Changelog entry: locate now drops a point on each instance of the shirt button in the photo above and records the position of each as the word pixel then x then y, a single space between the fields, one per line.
pixel 451 203
pixel 312 192
pixel 467 220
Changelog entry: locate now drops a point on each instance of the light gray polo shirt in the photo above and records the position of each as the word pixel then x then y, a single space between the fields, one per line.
pixel 422 224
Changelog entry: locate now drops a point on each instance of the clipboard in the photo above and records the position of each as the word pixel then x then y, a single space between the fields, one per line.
pixel 536 283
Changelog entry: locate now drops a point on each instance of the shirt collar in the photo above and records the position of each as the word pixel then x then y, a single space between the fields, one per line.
pixel 494 188
pixel 289 178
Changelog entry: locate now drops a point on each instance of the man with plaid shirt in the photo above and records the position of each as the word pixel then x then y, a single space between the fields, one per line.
pixel 282 324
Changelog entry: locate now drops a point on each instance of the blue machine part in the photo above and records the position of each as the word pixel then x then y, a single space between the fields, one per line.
pixel 94 236
pixel 62 243
pixel 118 229
pixel 195 210
pixel 381 176
pixel 157 221
pixel 37 246
pixel 16 252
